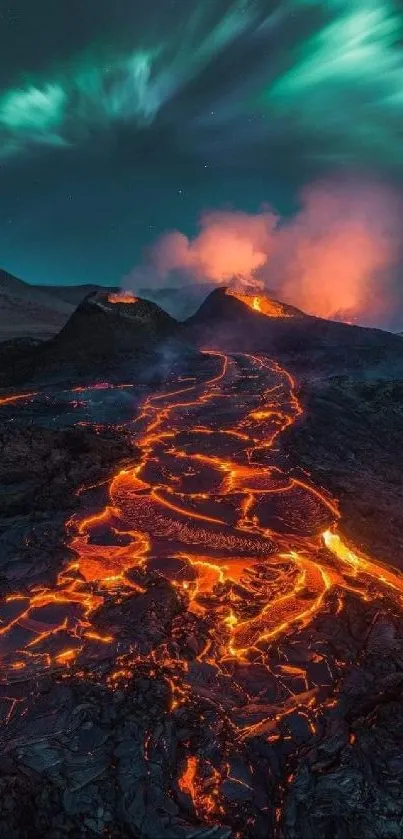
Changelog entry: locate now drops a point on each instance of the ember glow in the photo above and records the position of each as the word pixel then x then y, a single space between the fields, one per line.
pixel 251 554
pixel 122 297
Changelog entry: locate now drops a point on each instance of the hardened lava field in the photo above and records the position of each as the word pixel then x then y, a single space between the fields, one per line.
pixel 201 629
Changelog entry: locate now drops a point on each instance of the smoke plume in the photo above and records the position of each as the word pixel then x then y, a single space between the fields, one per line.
pixel 336 257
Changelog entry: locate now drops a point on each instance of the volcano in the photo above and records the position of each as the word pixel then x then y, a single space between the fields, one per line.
pixel 227 304
pixel 109 324
pixel 256 323
pixel 106 330
pixel 264 304
pixel 109 329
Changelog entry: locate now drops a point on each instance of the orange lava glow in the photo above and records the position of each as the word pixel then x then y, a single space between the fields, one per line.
pixel 237 522
pixel 228 532
pixel 261 303
pixel 122 297
pixel 252 552
pixel 16 397
pixel 187 781
pixel 199 783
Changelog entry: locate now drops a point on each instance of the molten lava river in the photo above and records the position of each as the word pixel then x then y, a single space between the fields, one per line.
pixel 211 568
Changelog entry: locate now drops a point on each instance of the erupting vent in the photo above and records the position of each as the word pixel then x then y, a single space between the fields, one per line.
pixel 122 297
pixel 261 303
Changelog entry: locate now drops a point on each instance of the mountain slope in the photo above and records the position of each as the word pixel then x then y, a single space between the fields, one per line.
pixel 37 311
pixel 100 337
pixel 100 329
pixel 309 345
pixel 27 311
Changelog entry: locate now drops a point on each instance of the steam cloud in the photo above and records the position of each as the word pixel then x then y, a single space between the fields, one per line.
pixel 336 257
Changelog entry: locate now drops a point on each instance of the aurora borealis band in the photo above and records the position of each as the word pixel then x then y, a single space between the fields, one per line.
pixel 225 88
pixel 331 73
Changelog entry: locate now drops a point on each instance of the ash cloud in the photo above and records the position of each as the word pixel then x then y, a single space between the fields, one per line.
pixel 336 257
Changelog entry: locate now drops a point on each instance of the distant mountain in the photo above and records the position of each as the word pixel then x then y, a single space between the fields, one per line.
pixel 36 311
pixel 180 302
pixel 73 294
pixel 27 311
pixel 308 345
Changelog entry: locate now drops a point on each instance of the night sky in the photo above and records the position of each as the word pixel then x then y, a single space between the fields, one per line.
pixel 120 119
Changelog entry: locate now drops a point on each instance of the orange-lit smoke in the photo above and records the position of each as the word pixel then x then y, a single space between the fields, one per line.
pixel 229 244
pixel 336 256
pixel 333 258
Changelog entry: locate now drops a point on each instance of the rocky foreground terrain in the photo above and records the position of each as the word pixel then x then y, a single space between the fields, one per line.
pixel 351 783
pixel 303 741
pixel 41 470
pixel 349 440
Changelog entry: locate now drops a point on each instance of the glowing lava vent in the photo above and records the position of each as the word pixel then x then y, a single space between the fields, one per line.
pixel 263 304
pixel 122 297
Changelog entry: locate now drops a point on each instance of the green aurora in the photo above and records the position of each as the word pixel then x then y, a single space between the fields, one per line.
pixel 335 84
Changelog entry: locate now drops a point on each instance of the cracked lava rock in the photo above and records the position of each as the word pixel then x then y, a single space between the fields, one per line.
pixel 208 657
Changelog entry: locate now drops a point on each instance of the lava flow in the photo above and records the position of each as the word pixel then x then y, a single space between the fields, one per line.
pixel 262 303
pixel 248 554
